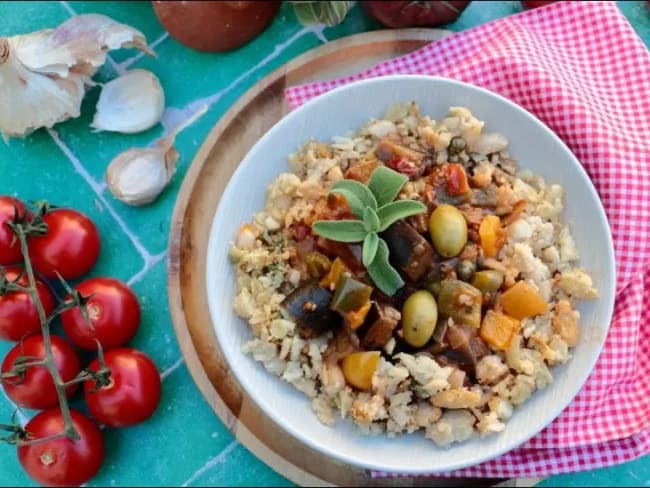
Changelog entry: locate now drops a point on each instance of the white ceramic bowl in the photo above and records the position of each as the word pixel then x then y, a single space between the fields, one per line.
pixel 348 108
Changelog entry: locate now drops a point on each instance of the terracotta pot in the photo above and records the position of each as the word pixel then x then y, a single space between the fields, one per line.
pixel 215 26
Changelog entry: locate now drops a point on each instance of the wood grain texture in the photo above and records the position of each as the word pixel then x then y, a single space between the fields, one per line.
pixel 225 147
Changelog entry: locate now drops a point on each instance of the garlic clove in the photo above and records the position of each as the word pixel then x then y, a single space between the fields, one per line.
pixel 138 176
pixel 43 74
pixel 132 103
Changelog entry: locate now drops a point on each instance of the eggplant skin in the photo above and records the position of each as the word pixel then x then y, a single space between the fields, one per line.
pixel 409 251
pixel 309 305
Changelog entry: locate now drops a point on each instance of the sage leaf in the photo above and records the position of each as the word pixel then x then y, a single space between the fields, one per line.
pixel 370 244
pixel 385 184
pixel 382 273
pixel 394 211
pixel 370 220
pixel 361 191
pixel 340 230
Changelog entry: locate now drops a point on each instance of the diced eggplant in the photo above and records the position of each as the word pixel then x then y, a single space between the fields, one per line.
pixel 465 347
pixel 382 320
pixel 309 305
pixel 409 251
pixel 344 343
pixel 350 294
pixel 460 301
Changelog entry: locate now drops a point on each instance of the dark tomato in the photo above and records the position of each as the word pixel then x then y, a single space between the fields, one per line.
pixel 9 245
pixel 113 310
pixel 62 462
pixel 412 14
pixel 133 393
pixel 18 315
pixel 35 389
pixel 535 4
pixel 71 245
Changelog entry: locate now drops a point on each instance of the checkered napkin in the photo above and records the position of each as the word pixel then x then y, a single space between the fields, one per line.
pixel 582 70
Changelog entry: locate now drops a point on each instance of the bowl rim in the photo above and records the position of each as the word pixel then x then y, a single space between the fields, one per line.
pixel 606 293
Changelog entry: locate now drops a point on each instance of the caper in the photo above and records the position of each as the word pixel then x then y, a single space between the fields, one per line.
pixel 448 229
pixel 317 264
pixel 465 269
pixel 434 287
pixel 419 318
pixel 456 145
pixel 488 281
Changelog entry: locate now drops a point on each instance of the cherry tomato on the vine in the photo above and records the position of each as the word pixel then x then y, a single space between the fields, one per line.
pixel 35 387
pixel 70 246
pixel 18 314
pixel 113 310
pixel 9 245
pixel 133 393
pixel 62 462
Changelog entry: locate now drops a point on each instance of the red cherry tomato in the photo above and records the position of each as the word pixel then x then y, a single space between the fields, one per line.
pixel 456 180
pixel 113 310
pixel 411 14
pixel 62 462
pixel 35 389
pixel 133 393
pixel 9 245
pixel 18 315
pixel 71 245
pixel 535 4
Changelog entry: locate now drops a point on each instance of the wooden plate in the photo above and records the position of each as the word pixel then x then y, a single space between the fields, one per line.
pixel 226 145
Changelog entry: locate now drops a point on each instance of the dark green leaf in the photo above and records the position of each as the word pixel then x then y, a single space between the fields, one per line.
pixel 369 252
pixel 394 211
pixel 370 220
pixel 385 184
pixel 360 190
pixel 382 273
pixel 340 230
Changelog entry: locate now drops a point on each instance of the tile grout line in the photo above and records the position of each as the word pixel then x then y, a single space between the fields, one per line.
pixel 81 170
pixel 126 64
pixel 176 115
pixel 218 459
pixel 179 362
pixel 149 263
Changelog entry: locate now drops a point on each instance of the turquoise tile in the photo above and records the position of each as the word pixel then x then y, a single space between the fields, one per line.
pixel 253 471
pixel 634 473
pixel 139 15
pixel 24 17
pixel 355 22
pixel 155 335
pixel 135 459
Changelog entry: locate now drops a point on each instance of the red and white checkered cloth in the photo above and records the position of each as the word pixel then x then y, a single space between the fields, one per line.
pixel 582 70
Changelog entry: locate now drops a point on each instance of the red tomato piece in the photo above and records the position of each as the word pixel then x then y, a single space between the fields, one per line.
pixel 113 310
pixel 18 315
pixel 36 388
pixel 456 180
pixel 62 462
pixel 70 246
pixel 133 393
pixel 9 245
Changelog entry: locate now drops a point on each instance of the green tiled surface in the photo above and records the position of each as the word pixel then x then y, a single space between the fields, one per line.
pixel 184 442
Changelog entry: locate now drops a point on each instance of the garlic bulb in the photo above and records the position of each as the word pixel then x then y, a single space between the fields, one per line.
pixel 43 74
pixel 138 175
pixel 132 103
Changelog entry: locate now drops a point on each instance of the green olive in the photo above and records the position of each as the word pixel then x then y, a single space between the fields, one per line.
pixel 448 229
pixel 488 281
pixel 465 269
pixel 419 318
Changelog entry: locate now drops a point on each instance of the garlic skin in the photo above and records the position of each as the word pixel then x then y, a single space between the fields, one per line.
pixel 138 176
pixel 43 74
pixel 132 103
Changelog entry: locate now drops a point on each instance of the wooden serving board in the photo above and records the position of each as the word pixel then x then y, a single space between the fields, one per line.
pixel 227 144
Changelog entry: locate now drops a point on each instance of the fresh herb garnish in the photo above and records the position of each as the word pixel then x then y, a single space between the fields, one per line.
pixel 373 205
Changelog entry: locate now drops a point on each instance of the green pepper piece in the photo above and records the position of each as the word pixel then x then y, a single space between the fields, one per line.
pixel 460 301
pixel 350 294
